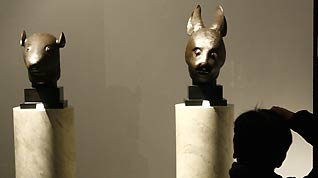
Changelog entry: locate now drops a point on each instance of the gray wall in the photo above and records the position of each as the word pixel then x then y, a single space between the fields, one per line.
pixel 123 70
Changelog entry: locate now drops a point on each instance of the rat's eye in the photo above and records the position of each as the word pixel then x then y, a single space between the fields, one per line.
pixel 196 51
pixel 48 48
pixel 213 55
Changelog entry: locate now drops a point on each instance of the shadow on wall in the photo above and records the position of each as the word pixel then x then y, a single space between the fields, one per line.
pixel 124 158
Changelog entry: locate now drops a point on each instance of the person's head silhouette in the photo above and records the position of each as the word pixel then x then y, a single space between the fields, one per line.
pixel 261 140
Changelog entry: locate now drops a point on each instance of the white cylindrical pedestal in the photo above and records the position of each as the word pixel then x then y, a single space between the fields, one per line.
pixel 204 141
pixel 44 143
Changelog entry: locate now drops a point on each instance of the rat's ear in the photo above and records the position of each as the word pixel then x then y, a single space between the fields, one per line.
pixel 61 41
pixel 195 21
pixel 220 23
pixel 23 37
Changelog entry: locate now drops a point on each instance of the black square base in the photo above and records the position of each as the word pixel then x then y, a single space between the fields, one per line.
pixel 51 97
pixel 212 93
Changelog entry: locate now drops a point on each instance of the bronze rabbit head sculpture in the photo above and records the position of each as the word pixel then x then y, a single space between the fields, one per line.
pixel 205 52
pixel 42 58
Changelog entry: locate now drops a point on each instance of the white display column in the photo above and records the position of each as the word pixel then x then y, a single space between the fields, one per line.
pixel 44 142
pixel 204 141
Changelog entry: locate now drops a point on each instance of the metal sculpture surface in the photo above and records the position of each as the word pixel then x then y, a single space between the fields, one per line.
pixel 205 55
pixel 42 58
pixel 205 51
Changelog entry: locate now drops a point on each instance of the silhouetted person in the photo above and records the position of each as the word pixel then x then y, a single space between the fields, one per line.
pixel 261 141
pixel 304 123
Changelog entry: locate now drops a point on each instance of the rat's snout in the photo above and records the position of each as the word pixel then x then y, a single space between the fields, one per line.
pixel 33 59
pixel 36 71
pixel 34 68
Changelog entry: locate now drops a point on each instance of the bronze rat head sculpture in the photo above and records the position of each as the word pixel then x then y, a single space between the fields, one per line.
pixel 42 58
pixel 205 51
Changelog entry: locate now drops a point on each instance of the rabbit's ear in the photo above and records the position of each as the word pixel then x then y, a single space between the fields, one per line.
pixel 195 21
pixel 220 23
